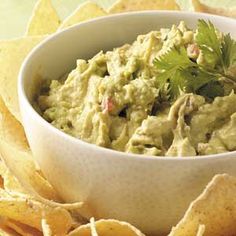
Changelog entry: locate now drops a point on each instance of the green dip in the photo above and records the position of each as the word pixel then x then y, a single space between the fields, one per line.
pixel 115 100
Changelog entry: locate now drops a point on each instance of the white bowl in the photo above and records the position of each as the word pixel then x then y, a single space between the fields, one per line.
pixel 150 192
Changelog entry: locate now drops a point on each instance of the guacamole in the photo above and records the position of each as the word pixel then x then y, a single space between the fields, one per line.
pixel 118 99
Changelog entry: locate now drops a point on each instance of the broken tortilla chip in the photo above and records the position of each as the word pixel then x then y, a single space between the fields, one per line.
pixel 12 54
pixel 215 208
pixel 107 228
pixel 84 12
pixel 44 20
pixel 140 5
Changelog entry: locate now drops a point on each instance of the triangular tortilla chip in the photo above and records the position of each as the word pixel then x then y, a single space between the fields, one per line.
pixel 84 12
pixel 215 208
pixel 12 54
pixel 140 5
pixel 44 20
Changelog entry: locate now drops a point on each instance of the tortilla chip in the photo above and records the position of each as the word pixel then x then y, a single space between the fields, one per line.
pixel 22 166
pixel 197 6
pixel 215 208
pixel 17 206
pixel 31 213
pixel 84 12
pixel 10 129
pixel 47 231
pixel 12 133
pixel 185 5
pixel 44 20
pixel 202 7
pixel 22 229
pixel 6 231
pixel 140 5
pixel 12 54
pixel 107 228
pixel 10 183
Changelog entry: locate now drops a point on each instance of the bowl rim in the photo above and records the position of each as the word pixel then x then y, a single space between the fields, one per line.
pixel 118 154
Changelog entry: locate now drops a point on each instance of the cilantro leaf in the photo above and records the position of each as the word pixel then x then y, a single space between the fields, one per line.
pixel 197 77
pixel 176 83
pixel 212 47
pixel 228 51
pixel 164 77
pixel 173 58
pixel 180 73
pixel 207 39
pixel 169 64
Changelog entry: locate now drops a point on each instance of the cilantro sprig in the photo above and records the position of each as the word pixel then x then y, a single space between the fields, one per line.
pixel 180 73
pixel 228 52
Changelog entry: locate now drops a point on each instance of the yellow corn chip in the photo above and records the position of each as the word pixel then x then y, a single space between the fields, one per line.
pixel 215 208
pixel 44 20
pixel 10 129
pixel 12 54
pixel 230 12
pixel 31 213
pixel 201 6
pixel 22 166
pixel 10 183
pixel 140 5
pixel 6 231
pixel 22 229
pixel 185 5
pixel 106 228
pixel 12 133
pixel 84 12
pixel 23 162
